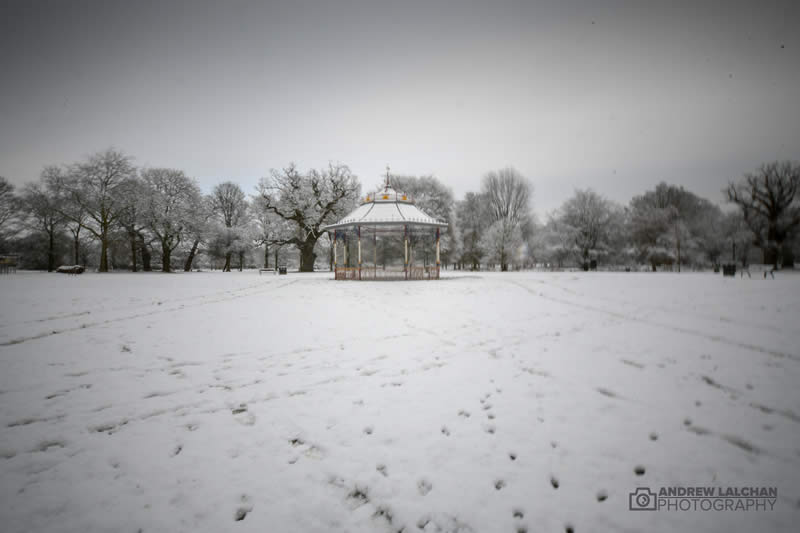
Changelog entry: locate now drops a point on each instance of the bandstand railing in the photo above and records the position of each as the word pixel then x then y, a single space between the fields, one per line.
pixel 389 273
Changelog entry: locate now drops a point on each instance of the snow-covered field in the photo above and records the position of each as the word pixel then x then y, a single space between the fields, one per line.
pixel 492 402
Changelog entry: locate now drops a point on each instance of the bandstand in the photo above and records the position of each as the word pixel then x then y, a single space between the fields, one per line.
pixel 387 237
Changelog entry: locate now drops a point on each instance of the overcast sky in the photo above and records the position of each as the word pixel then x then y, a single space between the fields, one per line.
pixel 610 95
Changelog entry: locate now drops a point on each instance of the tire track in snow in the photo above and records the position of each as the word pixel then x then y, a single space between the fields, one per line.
pixel 671 327
pixel 663 309
pixel 154 303
pixel 140 315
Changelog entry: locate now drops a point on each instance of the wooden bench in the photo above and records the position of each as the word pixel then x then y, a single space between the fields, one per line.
pixel 262 270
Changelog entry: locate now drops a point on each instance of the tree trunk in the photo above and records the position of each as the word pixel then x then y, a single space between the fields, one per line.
pixel 145 255
pixel 132 237
pixel 788 256
pixel 227 267
pixel 266 256
pixel 77 243
pixel 241 261
pixel 103 253
pixel 166 257
pixel 187 266
pixel 307 255
pixel 51 253
pixel 770 256
pixel 277 249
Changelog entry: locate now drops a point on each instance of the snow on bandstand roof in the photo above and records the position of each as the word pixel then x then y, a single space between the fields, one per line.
pixel 384 208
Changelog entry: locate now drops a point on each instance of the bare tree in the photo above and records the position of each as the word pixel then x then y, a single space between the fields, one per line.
pixel 97 186
pixel 132 220
pixel 41 215
pixel 308 202
pixel 73 215
pixel 229 204
pixel 472 216
pixel 168 203
pixel 769 202
pixel 508 195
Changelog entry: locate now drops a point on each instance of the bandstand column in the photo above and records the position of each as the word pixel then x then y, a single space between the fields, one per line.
pixel 405 244
pixel 335 254
pixel 359 252
pixel 437 253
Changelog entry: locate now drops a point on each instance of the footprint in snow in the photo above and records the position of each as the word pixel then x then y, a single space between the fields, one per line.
pixel 242 512
pixel 424 486
pixel 243 416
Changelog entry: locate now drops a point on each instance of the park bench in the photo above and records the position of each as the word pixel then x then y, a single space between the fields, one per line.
pixel 71 269
pixel 262 270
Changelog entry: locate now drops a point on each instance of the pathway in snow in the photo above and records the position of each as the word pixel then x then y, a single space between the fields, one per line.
pixel 516 402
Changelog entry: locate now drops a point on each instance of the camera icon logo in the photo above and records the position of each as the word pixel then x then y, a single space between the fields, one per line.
pixel 642 499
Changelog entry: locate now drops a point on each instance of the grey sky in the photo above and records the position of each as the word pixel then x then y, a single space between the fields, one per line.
pixel 612 95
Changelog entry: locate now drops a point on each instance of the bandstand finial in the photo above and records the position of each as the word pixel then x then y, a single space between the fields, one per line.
pixel 386 186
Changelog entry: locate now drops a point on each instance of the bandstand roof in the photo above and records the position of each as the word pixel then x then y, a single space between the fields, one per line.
pixel 387 208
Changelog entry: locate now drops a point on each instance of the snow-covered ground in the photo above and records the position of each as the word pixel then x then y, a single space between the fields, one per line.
pixel 491 402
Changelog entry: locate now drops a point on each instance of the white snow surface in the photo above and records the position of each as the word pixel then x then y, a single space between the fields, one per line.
pixel 155 402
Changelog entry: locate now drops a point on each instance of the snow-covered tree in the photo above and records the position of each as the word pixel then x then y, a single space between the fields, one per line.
pixel 270 230
pixel 168 207
pixel 435 199
pixel 507 194
pixel 8 205
pixel 665 224
pixel 198 231
pixel 588 219
pixel 308 202
pixel 230 207
pixel 503 243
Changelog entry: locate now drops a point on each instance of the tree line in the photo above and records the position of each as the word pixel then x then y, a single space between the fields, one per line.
pixel 103 211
